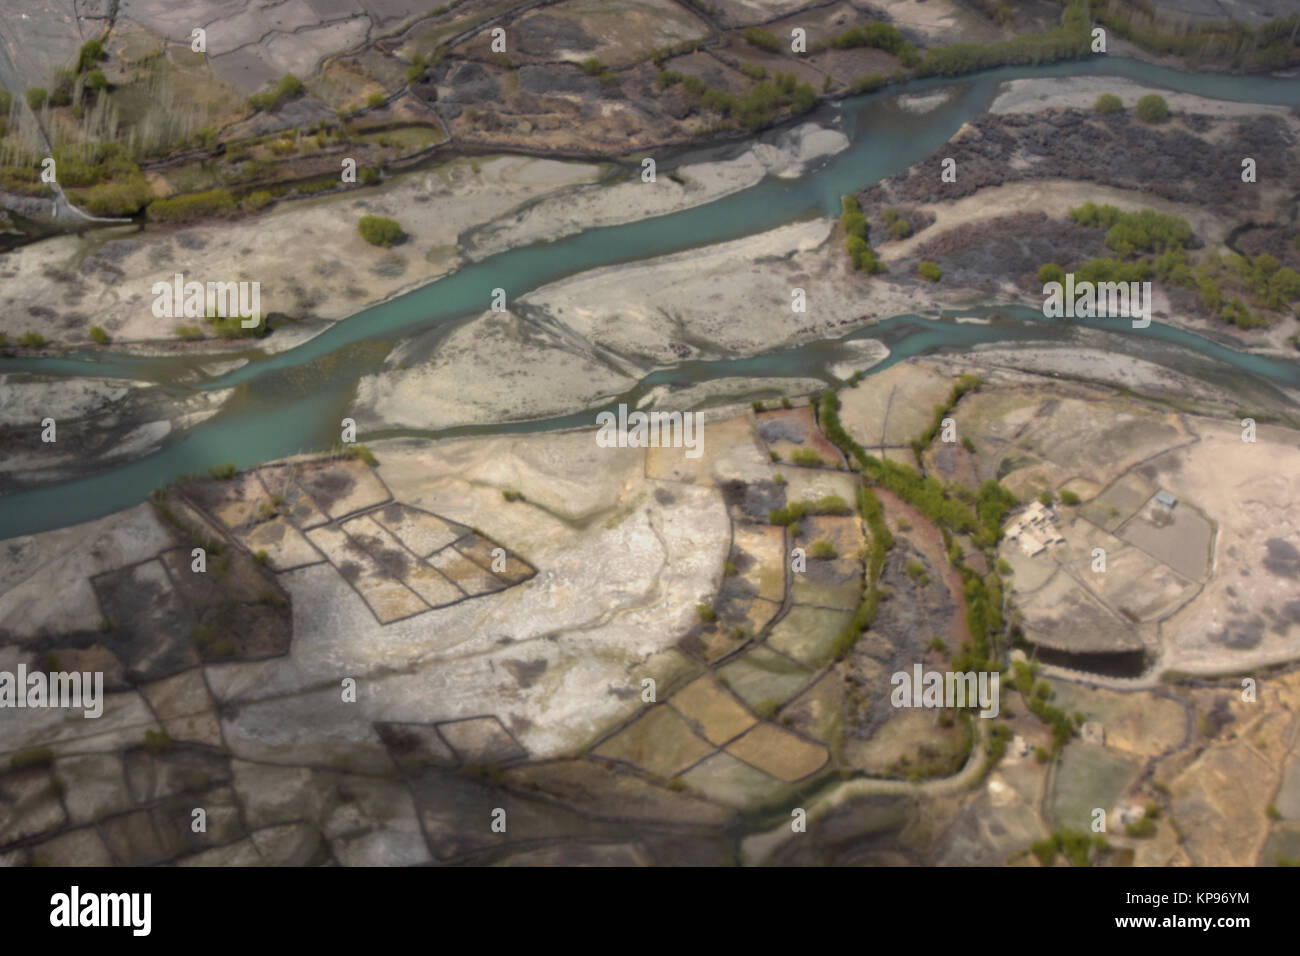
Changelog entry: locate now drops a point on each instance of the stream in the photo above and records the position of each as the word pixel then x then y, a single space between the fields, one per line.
pixel 292 401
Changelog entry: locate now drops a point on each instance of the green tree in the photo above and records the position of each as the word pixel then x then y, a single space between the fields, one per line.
pixel 929 270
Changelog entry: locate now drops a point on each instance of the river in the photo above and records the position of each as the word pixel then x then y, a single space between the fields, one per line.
pixel 292 401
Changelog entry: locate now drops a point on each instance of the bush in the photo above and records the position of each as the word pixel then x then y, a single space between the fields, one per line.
pixel 928 270
pixel 156 741
pixel 592 66
pixel 256 201
pixel 34 757
pixel 823 550
pixel 1152 108
pixel 1143 828
pixel 288 88
pixel 223 472
pixel 763 39
pixel 1071 39
pixel 380 231
pixel 705 613
pixel 1109 103
pixel 212 202
pixel 806 456
pixel 359 452
pixel 98 335
pixel 189 333
pixel 881 36
pixel 32 340
pixel 92 51
pixel 1070 499
pixel 1045 499
pixel 37 97
pixel 868 83
pixel 376 101
pixel 1050 272
pixel 96 80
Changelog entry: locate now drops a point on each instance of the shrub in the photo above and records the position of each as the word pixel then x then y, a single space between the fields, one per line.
pixel 380 231
pixel 1152 108
pixel 223 472
pixel 1070 499
pixel 359 452
pixel 928 270
pixel 868 83
pixel 916 571
pixel 1143 828
pixel 1050 272
pixel 212 202
pixel 900 229
pixel 376 101
pixel 705 613
pixel 592 66
pixel 288 88
pixel 823 550
pixel 256 200
pixel 98 335
pixel 806 456
pixel 37 97
pixel 156 741
pixel 1109 103
pixel 763 39
pixel 92 51
pixel 189 333
pixel 32 340
pixel 33 757
pixel 260 558
pixel 96 80
pixel 1046 499
pixel 882 36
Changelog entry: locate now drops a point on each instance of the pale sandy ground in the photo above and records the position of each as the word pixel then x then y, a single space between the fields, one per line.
pixel 307 255
pixel 27 400
pixel 311 262
pixel 596 334
pixel 1101 366
pixel 786 155
pixel 623 560
pixel 1081 92
pixel 924 102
